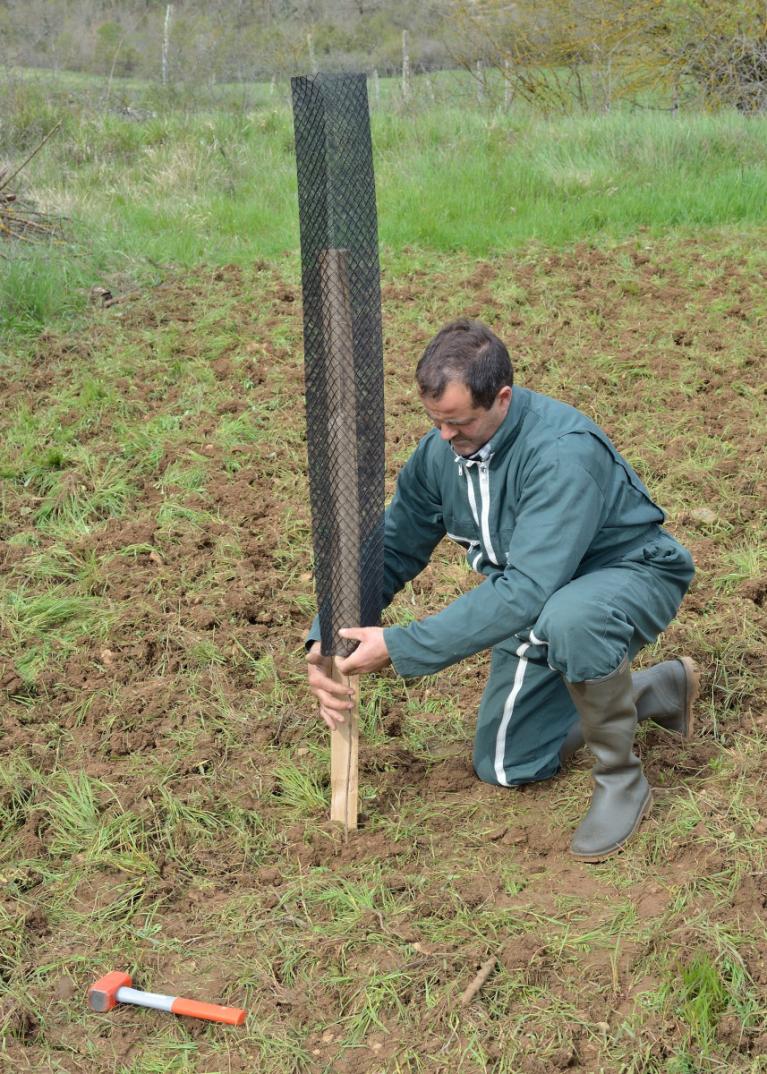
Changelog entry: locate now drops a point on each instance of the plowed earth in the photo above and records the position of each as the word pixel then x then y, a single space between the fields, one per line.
pixel 164 786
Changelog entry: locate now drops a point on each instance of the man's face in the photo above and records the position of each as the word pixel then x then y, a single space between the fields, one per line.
pixel 465 426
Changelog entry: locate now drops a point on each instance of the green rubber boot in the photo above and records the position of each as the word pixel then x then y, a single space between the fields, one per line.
pixel 622 795
pixel 664 694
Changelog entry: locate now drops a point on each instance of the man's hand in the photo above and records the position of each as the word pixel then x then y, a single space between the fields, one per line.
pixel 371 654
pixel 334 697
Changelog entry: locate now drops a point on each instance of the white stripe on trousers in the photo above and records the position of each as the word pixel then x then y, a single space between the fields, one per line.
pixel 508 711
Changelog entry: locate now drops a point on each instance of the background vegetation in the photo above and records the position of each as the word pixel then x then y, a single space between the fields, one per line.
pixel 559 53
pixel 145 186
pixel 589 178
pixel 174 136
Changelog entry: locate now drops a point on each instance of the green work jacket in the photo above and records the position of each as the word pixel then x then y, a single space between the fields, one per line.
pixel 552 500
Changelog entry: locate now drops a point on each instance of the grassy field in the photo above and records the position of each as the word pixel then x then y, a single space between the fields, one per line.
pixel 148 184
pixel 163 777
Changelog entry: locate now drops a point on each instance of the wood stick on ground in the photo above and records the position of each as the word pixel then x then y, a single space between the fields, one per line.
pixel 485 970
pixel 344 752
pixel 5 180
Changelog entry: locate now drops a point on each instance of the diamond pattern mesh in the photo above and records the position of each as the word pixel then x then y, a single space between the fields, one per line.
pixel 343 350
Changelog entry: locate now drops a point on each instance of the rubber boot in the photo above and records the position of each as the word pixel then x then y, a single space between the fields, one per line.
pixel 622 795
pixel 664 694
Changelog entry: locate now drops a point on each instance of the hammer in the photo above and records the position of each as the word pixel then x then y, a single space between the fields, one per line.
pixel 115 988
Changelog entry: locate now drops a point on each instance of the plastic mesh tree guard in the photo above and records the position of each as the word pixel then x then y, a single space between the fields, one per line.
pixel 343 350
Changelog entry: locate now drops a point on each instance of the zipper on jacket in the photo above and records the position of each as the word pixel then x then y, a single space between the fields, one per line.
pixel 480 514
pixel 472 495
pixel 484 495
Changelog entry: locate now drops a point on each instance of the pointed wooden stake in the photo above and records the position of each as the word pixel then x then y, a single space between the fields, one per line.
pixel 344 748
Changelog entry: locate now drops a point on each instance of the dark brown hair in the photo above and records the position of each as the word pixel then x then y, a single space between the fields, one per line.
pixel 468 352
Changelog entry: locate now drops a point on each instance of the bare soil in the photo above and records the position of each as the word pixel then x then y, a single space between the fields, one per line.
pixel 467 869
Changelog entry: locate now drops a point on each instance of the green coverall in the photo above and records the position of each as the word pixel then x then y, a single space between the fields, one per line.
pixel 578 573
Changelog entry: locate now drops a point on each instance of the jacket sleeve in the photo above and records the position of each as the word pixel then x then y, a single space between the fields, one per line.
pixel 413 527
pixel 558 514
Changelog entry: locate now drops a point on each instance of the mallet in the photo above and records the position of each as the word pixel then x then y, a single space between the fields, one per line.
pixel 115 988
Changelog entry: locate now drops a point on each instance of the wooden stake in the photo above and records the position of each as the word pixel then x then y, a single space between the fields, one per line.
pixel 405 67
pixel 342 434
pixel 344 748
pixel 166 43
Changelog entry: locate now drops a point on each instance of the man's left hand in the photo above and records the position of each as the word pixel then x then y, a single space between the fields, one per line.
pixel 371 654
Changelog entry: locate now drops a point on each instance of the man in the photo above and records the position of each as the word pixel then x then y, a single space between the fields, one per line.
pixel 579 575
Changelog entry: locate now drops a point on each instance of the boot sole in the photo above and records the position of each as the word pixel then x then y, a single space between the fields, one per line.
pixel 692 680
pixel 605 854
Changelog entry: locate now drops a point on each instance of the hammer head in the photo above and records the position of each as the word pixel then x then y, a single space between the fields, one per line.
pixel 102 996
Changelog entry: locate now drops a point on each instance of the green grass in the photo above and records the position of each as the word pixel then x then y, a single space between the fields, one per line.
pixel 163 775
pixel 181 187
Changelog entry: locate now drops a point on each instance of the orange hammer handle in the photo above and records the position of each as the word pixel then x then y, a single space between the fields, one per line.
pixel 211 1012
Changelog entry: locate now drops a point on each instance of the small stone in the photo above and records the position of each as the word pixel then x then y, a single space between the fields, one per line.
pixel 106 656
pixel 704 514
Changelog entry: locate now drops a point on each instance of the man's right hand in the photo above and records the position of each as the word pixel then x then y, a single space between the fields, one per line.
pixel 335 699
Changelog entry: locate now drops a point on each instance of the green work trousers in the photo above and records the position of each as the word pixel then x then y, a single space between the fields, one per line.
pixel 584 632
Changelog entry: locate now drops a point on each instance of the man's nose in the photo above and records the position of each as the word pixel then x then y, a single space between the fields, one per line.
pixel 447 432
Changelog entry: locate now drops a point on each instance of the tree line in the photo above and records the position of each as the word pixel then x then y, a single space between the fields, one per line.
pixel 221 40
pixel 562 54
pixel 556 54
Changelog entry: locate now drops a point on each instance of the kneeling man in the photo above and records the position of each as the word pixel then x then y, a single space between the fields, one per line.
pixel 579 575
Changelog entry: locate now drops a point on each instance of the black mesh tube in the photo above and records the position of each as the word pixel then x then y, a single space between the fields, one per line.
pixel 343 351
